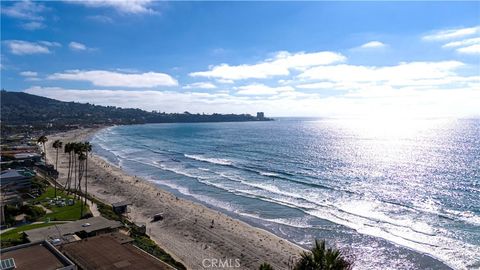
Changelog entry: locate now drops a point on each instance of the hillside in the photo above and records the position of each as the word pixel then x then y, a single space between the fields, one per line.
pixel 20 109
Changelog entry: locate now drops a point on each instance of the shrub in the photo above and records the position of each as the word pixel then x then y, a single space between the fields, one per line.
pixel 33 213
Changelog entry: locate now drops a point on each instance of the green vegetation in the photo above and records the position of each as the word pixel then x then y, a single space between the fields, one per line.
pixel 21 110
pixel 319 258
pixel 265 266
pixel 43 140
pixel 322 258
pixel 107 211
pixel 16 233
pixel 12 240
pixel 15 236
pixel 68 212
pixel 57 144
pixel 147 244
pixel 32 213
pixel 77 169
pixel 39 183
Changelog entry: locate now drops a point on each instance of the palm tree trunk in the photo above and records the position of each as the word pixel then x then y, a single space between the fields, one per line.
pixel 55 180
pixel 86 179
pixel 45 152
pixel 75 175
pixel 69 173
pixel 80 176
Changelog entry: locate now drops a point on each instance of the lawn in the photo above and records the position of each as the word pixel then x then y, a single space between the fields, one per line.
pixel 61 213
pixel 16 233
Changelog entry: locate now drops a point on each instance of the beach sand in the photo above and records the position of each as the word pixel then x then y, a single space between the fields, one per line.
pixel 186 231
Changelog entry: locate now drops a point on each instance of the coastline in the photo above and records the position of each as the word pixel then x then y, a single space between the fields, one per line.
pixel 185 233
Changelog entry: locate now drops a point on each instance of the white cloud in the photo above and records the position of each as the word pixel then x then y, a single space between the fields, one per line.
pixel 373 44
pixel 402 74
pixel 461 43
pixel 123 6
pixel 319 85
pixel 225 81
pixel 262 90
pixel 33 26
pixel 168 101
pixel 472 49
pixel 451 33
pixel 110 78
pixel 77 46
pixel 50 43
pixel 200 85
pixel 466 46
pixel 458 102
pixel 29 73
pixel 21 47
pixel 277 66
pixel 24 10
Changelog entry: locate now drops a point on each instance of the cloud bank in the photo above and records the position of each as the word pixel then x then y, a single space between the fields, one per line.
pixel 120 79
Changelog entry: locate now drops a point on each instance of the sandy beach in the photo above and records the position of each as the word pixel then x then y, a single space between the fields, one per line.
pixel 186 231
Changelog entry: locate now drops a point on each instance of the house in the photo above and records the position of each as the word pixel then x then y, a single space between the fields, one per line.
pixel 20 179
pixel 46 169
pixel 34 157
pixel 91 253
pixel 39 255
pixel 120 207
pixel 73 231
pixel 260 115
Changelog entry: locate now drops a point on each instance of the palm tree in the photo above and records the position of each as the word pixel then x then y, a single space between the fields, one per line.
pixel 265 266
pixel 56 144
pixel 43 140
pixel 322 258
pixel 87 147
pixel 76 153
pixel 81 158
pixel 68 150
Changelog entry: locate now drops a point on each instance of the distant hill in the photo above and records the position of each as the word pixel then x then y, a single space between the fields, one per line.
pixel 18 108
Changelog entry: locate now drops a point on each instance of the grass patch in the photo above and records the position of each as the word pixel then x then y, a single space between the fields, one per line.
pixel 107 211
pixel 15 236
pixel 16 233
pixel 68 212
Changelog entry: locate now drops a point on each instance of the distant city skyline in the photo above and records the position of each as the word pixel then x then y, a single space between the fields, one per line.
pixel 343 59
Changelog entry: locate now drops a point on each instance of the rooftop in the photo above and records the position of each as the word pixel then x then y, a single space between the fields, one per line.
pixel 60 231
pixel 6 174
pixel 36 256
pixel 90 253
pixel 119 204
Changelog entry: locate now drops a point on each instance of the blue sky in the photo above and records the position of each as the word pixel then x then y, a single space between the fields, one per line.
pixel 285 58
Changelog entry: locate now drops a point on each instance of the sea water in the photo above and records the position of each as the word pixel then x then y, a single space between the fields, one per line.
pixel 392 193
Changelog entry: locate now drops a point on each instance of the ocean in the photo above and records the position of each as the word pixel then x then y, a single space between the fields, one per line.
pixel 392 193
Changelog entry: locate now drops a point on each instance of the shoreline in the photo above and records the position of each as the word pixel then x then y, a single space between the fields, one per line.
pixel 185 233
pixel 252 255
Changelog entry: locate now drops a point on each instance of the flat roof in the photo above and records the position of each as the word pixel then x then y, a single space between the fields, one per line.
pixel 119 204
pixel 58 231
pixel 36 256
pixel 107 252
